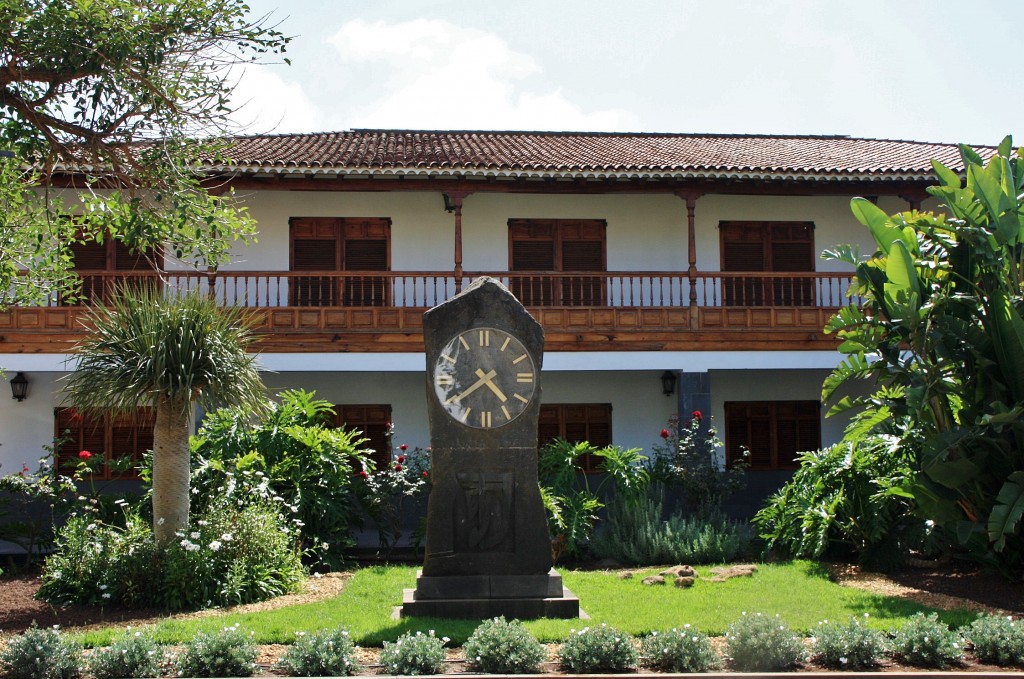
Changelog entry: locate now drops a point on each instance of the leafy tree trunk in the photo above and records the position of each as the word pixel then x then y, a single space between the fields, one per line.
pixel 170 469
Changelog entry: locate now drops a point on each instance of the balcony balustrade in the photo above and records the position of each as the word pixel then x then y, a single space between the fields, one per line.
pixel 618 310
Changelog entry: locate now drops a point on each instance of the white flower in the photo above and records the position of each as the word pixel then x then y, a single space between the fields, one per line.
pixel 201 522
pixel 843 661
pixel 227 537
pixel 194 535
pixel 102 587
pixel 215 545
pixel 57 574
pixel 106 595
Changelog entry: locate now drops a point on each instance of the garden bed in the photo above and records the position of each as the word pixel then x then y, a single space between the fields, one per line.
pixel 942 586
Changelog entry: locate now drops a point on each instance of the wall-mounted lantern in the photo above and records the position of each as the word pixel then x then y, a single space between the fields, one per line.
pixel 19 387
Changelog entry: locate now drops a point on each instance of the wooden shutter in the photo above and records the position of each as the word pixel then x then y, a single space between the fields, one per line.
pixel 549 245
pixel 74 434
pixel 767 246
pixel 773 432
pixel 576 423
pixel 374 421
pixel 792 249
pixel 315 246
pixel 532 249
pixel 130 438
pixel 366 248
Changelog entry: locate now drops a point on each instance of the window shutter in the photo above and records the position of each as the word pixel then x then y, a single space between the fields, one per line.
pixel 773 431
pixel 125 260
pixel 89 256
pixel 533 255
pixel 373 421
pixel 577 423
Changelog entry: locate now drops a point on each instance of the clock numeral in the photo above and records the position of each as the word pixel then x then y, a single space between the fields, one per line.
pixel 505 343
pixel 506 413
pixel 448 358
pixel 521 398
pixel 444 380
pixel 524 377
pixel 485 418
pixel 519 359
pixel 485 338
pixel 465 415
pixel 463 342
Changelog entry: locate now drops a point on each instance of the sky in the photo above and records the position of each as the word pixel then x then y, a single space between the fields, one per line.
pixel 937 70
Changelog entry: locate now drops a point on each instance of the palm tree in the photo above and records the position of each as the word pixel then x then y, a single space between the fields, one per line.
pixel 169 352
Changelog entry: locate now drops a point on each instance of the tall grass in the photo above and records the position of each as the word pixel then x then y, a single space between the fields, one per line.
pixel 800 592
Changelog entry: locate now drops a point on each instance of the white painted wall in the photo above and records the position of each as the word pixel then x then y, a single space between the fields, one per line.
pixel 27 426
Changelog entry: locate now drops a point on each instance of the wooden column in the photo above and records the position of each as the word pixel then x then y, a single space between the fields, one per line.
pixel 914 199
pixel 691 250
pixel 453 203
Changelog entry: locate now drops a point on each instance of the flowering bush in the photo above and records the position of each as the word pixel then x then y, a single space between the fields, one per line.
pixel 598 649
pixel 386 494
pixel 98 564
pixel 758 643
pixel 850 646
pixel 997 639
pixel 228 653
pixel 690 457
pixel 414 654
pixel 500 647
pixel 327 653
pixel 679 650
pixel 295 458
pixel 133 654
pixel 926 642
pixel 41 654
pixel 231 555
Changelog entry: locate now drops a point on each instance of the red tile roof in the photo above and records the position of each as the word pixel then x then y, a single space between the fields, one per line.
pixel 589 155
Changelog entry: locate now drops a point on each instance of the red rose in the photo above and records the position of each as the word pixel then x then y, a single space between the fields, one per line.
pixel 401 459
pixel 398 467
pixel 84 454
pixel 424 475
pixel 363 474
pixel 664 433
pixel 403 447
pixel 697 415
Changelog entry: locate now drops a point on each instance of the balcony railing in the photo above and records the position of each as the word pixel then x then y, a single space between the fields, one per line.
pixel 424 289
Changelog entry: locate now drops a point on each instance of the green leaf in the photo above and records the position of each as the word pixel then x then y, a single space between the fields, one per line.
pixel 1007 512
pixel 946 176
pixel 878 223
pixel 1008 343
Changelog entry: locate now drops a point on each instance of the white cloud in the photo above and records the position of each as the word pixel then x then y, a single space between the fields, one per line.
pixel 267 103
pixel 434 74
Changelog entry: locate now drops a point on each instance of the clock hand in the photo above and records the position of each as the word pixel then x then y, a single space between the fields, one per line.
pixel 492 386
pixel 484 379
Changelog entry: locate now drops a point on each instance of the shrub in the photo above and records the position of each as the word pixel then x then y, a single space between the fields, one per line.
pixel 294 455
pixel 841 496
pixel 327 653
pixel 679 650
pixel 414 654
pixel 228 653
pixel 598 649
pixel 385 495
pixel 499 647
pixel 850 646
pixel 97 564
pixel 41 654
pixel 635 533
pixel 229 556
pixel 690 458
pixel 758 643
pixel 571 504
pixel 133 654
pixel 997 639
pixel 926 642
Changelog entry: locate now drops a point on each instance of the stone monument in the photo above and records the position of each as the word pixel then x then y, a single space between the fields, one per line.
pixel 487 546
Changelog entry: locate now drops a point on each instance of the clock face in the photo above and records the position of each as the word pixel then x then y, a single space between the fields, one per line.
pixel 484 378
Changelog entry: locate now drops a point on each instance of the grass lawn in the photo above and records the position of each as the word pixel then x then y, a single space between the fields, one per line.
pixel 799 592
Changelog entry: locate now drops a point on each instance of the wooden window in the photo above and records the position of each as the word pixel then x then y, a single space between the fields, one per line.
pixel 94 262
pixel 334 244
pixel 577 422
pixel 773 432
pixel 116 443
pixel 375 423
pixel 551 246
pixel 763 247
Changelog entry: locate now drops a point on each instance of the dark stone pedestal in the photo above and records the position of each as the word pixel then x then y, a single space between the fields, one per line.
pixel 487 596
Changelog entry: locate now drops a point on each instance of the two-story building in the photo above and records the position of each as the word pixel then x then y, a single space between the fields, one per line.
pixel 671 272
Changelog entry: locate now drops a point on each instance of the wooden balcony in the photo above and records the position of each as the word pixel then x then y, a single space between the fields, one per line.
pixel 378 311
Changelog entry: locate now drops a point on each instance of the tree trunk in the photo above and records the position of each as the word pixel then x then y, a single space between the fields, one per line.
pixel 170 469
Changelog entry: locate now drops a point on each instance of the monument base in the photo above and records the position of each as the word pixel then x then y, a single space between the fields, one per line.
pixel 488 596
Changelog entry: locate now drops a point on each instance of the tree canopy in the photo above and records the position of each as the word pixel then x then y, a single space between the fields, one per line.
pixel 107 97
